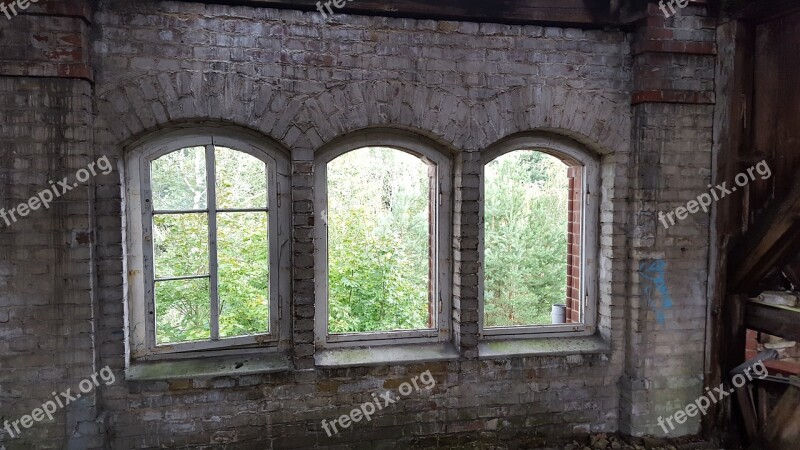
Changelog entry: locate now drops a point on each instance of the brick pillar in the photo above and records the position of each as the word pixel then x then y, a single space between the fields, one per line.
pixel 49 285
pixel 575 207
pixel 303 308
pixel 672 106
pixel 466 259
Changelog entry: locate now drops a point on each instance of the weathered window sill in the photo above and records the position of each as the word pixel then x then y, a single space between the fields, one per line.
pixel 384 355
pixel 208 367
pixel 542 347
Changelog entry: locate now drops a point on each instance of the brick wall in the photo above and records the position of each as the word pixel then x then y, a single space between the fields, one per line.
pixel 447 81
pixel 47 259
pixel 303 82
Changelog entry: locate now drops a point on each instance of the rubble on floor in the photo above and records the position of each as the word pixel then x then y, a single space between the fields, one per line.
pixel 603 441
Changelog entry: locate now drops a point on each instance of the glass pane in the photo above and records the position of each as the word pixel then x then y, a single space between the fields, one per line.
pixel 378 242
pixel 183 311
pixel 243 253
pixel 178 180
pixel 180 245
pixel 241 180
pixel 526 216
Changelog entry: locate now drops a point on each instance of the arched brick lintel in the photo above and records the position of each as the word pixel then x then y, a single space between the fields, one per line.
pixel 310 121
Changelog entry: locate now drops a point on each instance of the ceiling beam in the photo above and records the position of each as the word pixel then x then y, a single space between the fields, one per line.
pixel 781 321
pixel 587 13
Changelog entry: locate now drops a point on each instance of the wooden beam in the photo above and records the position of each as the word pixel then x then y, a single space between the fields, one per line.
pixel 760 11
pixel 591 13
pixel 781 321
pixel 734 85
pixel 773 242
pixel 783 427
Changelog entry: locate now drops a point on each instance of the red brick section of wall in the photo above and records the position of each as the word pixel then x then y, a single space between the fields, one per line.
pixel 661 48
pixel 752 344
pixel 575 204
pixel 755 345
pixel 48 39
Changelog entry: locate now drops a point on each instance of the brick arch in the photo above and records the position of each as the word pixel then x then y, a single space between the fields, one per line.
pixel 343 109
pixel 150 103
pixel 597 122
pixel 294 120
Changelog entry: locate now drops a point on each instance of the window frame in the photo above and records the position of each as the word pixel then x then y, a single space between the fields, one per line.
pixel 140 295
pixel 563 149
pixel 441 201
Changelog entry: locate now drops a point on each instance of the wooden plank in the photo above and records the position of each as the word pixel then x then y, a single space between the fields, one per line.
pixel 747 408
pixel 764 10
pixel 576 12
pixel 733 92
pixel 782 367
pixel 781 321
pixel 773 242
pixel 783 425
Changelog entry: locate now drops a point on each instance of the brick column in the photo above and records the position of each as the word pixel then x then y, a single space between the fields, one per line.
pixel 49 282
pixel 672 110
pixel 303 291
pixel 465 250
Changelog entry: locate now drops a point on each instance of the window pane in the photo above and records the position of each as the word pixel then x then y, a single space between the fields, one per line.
pixel 182 311
pixel 526 216
pixel 180 245
pixel 243 254
pixel 178 180
pixel 378 241
pixel 241 180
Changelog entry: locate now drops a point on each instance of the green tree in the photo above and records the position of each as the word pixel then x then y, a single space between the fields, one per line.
pixel 378 241
pixel 525 236
pixel 180 244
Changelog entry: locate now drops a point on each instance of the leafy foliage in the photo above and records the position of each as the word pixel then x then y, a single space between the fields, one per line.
pixel 180 245
pixel 378 241
pixel 525 236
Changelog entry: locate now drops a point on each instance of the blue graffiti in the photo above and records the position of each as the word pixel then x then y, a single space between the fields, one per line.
pixel 653 271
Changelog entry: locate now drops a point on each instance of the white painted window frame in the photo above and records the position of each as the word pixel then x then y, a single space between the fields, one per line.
pixel 140 303
pixel 441 199
pixel 562 148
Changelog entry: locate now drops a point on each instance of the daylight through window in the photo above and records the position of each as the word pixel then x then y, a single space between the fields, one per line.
pixel 532 230
pixel 210 245
pixel 380 228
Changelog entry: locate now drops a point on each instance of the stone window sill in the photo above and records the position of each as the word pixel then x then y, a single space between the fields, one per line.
pixel 208 367
pixel 558 346
pixel 384 355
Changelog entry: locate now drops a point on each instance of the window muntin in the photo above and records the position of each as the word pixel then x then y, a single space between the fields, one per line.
pixel 262 208
pixel 526 229
pixel 439 222
pixel 379 242
pixel 583 174
pixel 210 245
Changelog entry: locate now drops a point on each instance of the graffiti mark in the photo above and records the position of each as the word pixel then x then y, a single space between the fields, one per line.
pixel 652 271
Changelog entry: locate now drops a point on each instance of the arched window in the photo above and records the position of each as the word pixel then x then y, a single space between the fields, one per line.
pixel 382 242
pixel 538 241
pixel 204 243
